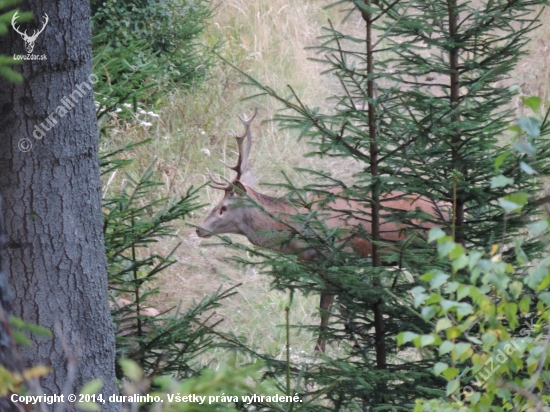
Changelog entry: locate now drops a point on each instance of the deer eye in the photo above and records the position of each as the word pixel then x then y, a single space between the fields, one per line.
pixel 223 209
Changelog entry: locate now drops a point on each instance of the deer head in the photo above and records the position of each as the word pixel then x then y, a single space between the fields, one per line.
pixel 29 40
pixel 229 216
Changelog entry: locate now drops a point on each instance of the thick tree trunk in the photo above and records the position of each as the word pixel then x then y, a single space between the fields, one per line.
pixel 8 350
pixel 54 254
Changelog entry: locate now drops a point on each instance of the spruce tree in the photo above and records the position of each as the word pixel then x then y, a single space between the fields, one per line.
pixel 424 107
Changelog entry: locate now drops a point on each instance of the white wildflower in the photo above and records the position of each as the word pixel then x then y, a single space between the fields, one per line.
pixel 205 151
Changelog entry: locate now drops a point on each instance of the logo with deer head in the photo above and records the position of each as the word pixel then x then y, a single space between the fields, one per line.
pixel 29 40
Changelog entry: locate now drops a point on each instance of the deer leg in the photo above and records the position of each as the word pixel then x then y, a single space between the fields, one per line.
pixel 326 302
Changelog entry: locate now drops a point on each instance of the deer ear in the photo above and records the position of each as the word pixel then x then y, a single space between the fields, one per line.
pixel 241 189
pixel 247 178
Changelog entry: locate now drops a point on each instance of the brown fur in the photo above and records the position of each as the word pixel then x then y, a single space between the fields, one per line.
pixel 271 226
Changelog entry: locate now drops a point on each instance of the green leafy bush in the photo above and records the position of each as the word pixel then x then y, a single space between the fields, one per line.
pixel 421 111
pixel 491 322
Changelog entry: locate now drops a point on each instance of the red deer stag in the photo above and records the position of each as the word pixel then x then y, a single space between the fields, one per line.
pixel 268 225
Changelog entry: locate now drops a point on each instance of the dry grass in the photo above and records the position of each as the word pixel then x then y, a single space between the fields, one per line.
pixel 533 71
pixel 266 39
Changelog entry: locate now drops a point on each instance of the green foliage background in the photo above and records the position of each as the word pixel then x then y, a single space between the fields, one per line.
pixel 144 48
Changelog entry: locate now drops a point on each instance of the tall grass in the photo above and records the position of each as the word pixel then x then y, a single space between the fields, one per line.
pixel 266 39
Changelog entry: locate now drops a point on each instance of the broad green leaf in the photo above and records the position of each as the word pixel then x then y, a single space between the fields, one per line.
pixel 526 148
pixel 440 367
pixel 447 304
pixel 545 283
pixel 435 233
pixel 531 125
pixel 131 369
pixel 463 291
pixel 428 312
pixel 438 280
pixel 426 340
pixel 460 263
pixel 519 197
pixel 544 297
pixel 460 349
pixel 464 309
pixel 527 169
pixel 510 207
pixel 446 347
pixel 537 228
pixel 419 299
pixel 474 398
pixel 426 277
pixel 533 102
pixel 521 257
pixel 516 288
pixel 501 181
pixel 452 386
pixel 92 387
pixel 450 373
pixel 473 339
pixel 511 310
pixel 536 276
pixel 502 157
pixel 524 304
pixel 434 298
pixel 457 251
pixel 504 394
pixel 442 324
pixel 405 337
pixel 515 128
pixel 474 257
pixel 451 287
pixel 453 333
pixel 489 338
pixel 417 290
pixel 444 248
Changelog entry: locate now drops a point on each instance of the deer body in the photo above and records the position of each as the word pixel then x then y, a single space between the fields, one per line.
pixel 266 221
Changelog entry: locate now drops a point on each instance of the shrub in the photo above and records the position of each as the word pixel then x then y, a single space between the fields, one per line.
pixel 135 218
pixel 145 45
pixel 493 362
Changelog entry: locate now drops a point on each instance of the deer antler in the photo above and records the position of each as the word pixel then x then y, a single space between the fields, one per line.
pixel 17 28
pixel 242 162
pixel 216 184
pixel 35 33
pixel 24 34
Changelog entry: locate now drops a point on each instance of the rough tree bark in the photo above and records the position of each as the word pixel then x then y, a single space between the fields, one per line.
pixel 54 253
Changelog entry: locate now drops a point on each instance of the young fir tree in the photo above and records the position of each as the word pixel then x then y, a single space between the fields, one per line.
pixel 424 107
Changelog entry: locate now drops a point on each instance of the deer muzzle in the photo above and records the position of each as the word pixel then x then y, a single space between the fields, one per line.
pixel 203 233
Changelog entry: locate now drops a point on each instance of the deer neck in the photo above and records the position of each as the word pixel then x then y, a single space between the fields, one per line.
pixel 264 223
